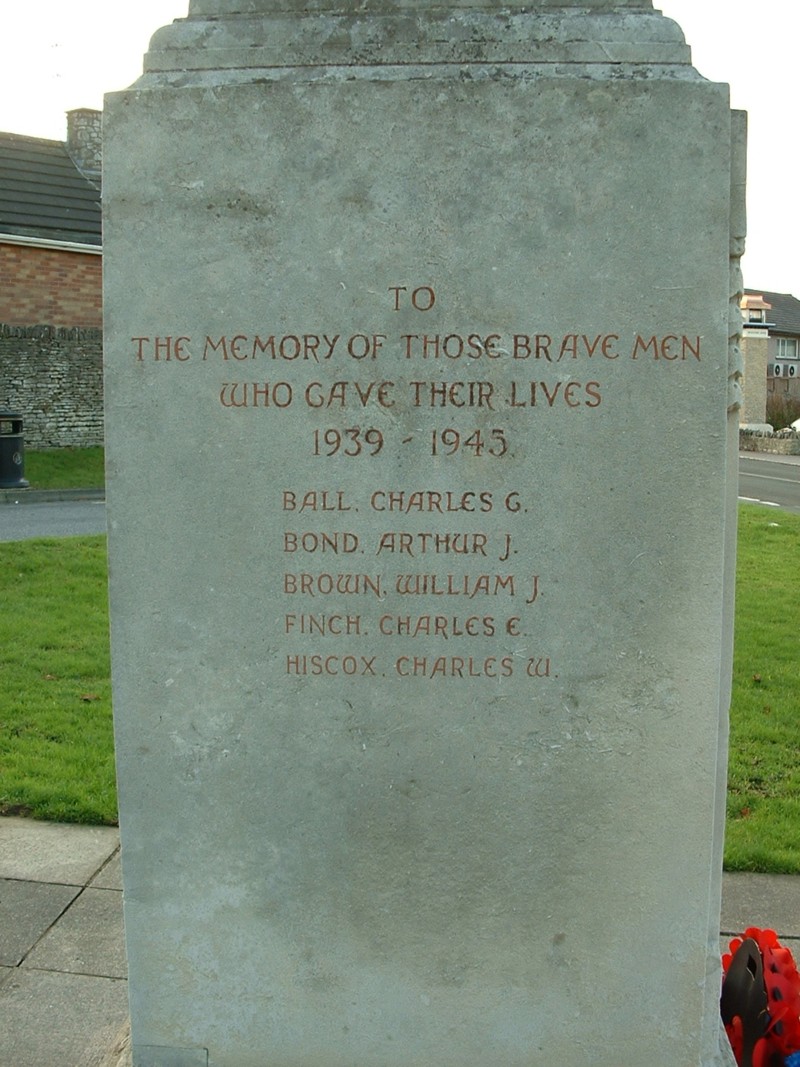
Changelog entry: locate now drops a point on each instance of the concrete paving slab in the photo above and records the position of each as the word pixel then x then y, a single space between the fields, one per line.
pixel 771 901
pixel 27 911
pixel 88 939
pixel 52 852
pixel 117 1053
pixel 50 1019
pixel 111 875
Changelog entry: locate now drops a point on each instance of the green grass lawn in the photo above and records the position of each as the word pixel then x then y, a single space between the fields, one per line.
pixel 763 825
pixel 56 757
pixel 65 468
pixel 56 746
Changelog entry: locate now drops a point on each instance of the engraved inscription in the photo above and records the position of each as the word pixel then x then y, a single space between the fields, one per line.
pixel 365 601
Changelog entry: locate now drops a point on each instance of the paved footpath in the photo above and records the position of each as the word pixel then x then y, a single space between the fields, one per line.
pixel 63 977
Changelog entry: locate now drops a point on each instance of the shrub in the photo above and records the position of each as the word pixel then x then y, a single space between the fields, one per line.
pixel 782 410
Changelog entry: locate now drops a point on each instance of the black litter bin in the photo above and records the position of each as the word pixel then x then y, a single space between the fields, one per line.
pixel 12 451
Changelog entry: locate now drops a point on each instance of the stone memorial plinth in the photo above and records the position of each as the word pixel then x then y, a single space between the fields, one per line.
pixel 421 383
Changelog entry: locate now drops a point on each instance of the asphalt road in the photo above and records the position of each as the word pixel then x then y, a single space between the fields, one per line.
pixel 67 518
pixel 771 480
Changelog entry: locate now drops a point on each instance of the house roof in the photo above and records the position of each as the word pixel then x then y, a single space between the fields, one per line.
pixel 43 194
pixel 784 316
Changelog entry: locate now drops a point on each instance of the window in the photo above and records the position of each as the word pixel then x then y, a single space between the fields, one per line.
pixel 755 314
pixel 787 348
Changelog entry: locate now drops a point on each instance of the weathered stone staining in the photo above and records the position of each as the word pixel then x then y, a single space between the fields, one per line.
pixel 421 491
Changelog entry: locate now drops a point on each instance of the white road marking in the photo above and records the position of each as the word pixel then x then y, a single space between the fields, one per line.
pixel 754 500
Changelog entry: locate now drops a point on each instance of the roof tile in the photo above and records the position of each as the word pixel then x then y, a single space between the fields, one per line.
pixel 44 195
pixel 784 315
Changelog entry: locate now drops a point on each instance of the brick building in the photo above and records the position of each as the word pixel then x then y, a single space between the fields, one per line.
pixel 51 283
pixel 50 239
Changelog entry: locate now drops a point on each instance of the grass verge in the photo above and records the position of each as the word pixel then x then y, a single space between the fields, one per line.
pixel 56 745
pixel 763 810
pixel 65 468
pixel 56 751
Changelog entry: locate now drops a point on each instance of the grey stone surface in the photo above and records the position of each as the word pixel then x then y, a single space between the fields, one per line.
pixel 158 1056
pixel 110 1048
pixel 110 877
pixel 335 36
pixel 41 851
pixel 119 1053
pixel 27 911
pixel 88 940
pixel 410 814
pixel 746 903
pixel 80 1011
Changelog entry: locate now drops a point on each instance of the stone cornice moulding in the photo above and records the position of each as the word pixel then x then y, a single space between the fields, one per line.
pixel 301 7
pixel 238 41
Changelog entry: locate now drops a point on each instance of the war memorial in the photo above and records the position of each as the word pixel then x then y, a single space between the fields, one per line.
pixel 422 386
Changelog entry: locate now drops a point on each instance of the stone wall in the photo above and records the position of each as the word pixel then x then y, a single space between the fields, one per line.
pixel 779 446
pixel 50 285
pixel 53 376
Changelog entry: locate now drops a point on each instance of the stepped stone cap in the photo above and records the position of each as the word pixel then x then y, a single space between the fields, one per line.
pixel 257 39
pixel 254 7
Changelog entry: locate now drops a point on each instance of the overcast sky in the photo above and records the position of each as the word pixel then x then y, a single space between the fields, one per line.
pixel 63 54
